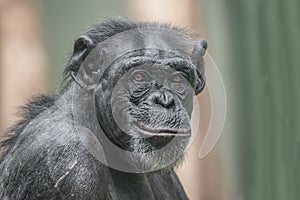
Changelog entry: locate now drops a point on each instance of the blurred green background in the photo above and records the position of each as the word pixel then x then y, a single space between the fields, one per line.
pixel 265 61
pixel 263 88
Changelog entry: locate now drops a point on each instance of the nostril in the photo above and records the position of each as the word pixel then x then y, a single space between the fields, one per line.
pixel 169 104
pixel 164 99
pixel 156 100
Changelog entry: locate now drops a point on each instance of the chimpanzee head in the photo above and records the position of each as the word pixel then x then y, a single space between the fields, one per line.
pixel 144 98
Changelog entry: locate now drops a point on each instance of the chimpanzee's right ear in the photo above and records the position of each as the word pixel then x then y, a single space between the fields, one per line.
pixel 82 47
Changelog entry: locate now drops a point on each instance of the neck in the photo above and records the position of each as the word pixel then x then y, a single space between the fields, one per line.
pixel 132 185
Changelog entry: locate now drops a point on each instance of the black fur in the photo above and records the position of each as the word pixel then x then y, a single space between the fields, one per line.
pixel 43 159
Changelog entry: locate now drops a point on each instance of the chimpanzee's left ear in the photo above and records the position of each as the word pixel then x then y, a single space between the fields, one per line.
pixel 197 59
pixel 82 47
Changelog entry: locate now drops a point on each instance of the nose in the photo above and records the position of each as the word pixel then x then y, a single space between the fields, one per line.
pixel 163 98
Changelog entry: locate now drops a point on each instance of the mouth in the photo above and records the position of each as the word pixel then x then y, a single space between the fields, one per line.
pixel 165 132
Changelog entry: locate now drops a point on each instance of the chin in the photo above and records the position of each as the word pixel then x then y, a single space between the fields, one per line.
pixel 158 152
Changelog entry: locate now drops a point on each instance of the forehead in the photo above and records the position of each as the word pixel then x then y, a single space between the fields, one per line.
pixel 159 71
pixel 146 38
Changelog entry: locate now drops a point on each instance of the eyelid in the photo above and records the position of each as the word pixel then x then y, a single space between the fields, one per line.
pixel 187 77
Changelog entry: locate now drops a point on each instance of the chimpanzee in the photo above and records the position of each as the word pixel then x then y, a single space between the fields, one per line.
pixel 120 124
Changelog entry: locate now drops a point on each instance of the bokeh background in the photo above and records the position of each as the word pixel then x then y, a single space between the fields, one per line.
pixel 256 46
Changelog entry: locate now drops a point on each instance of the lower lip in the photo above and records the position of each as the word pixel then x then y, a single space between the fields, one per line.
pixel 153 133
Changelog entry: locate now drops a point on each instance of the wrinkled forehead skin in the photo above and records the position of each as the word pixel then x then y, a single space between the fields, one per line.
pixel 147 38
pixel 150 40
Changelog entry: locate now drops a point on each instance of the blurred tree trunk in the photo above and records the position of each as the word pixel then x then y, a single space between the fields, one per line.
pixel 202 179
pixel 266 46
pixel 22 59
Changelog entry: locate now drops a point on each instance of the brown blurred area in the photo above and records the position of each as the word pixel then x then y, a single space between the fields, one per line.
pixel 23 69
pixel 23 72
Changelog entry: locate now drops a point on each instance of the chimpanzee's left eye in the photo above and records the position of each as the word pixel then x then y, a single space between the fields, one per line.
pixel 178 83
pixel 177 78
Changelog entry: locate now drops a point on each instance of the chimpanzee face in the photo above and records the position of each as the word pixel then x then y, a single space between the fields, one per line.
pixel 154 103
pixel 144 98
pixel 151 106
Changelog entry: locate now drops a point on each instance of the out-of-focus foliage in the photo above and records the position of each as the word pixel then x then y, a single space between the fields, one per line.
pixel 264 46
